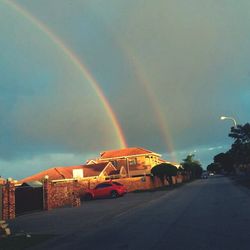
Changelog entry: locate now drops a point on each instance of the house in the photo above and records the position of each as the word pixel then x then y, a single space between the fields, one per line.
pixel 99 171
pixel 137 161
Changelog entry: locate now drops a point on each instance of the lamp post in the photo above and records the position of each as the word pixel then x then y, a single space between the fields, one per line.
pixel 229 118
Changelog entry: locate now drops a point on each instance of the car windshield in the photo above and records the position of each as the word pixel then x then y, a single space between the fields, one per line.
pixel 102 185
pixel 117 183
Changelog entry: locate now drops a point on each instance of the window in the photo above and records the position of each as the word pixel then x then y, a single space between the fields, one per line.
pixel 117 183
pixel 114 163
pixel 108 185
pixel 132 162
pixel 99 186
pixel 103 185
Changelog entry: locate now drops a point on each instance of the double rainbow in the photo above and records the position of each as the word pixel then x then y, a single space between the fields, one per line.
pixel 138 70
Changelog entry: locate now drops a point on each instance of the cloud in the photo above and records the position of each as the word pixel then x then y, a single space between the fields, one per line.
pixel 215 148
pixel 21 168
pixel 204 153
pixel 194 57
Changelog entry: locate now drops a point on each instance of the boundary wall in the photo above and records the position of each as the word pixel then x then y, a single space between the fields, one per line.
pixel 68 193
pixel 61 193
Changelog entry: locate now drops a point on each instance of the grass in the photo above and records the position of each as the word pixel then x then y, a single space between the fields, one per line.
pixel 22 241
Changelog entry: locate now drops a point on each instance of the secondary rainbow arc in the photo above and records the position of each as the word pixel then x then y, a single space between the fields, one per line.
pixel 142 79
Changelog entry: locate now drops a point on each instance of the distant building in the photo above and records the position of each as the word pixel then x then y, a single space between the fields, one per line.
pixel 137 161
pixel 111 164
pixel 99 171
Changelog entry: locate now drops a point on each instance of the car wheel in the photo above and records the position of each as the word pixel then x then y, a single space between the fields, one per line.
pixel 88 197
pixel 114 194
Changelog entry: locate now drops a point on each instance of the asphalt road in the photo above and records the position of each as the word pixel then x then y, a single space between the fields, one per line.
pixel 205 214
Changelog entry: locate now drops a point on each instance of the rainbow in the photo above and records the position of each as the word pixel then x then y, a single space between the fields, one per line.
pixel 160 118
pixel 79 64
pixel 143 81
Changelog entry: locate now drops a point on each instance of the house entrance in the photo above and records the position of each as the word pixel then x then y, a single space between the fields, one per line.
pixel 28 199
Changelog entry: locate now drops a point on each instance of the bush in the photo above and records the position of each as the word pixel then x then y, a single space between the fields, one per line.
pixel 164 170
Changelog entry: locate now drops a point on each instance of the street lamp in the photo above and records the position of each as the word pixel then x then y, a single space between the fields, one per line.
pixel 229 118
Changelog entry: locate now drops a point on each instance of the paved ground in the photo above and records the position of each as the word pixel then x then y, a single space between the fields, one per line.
pixel 91 214
pixel 206 214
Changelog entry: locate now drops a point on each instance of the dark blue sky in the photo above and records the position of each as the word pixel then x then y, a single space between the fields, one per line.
pixel 169 70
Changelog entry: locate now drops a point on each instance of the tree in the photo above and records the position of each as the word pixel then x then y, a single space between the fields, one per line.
pixel 214 167
pixel 226 161
pixel 241 134
pixel 240 149
pixel 192 166
pixel 164 170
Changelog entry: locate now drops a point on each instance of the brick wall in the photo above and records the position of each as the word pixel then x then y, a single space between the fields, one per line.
pixel 8 200
pixel 65 193
pixel 135 183
pixel 147 182
pixel 141 183
pixel 58 194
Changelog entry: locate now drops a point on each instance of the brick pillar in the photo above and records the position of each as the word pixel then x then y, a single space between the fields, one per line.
pixel 4 202
pixel 76 202
pixel 75 199
pixel 8 201
pixel 12 200
pixel 1 203
pixel 46 194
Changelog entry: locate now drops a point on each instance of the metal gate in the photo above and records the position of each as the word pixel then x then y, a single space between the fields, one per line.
pixel 28 199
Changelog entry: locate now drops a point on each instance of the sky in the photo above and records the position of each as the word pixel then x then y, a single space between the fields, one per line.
pixel 84 76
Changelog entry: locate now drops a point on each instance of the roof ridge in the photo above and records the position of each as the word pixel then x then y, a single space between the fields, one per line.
pixel 94 164
pixel 120 149
pixel 59 173
pixel 145 149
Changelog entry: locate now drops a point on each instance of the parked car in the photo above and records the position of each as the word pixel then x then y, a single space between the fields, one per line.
pixel 204 175
pixel 111 189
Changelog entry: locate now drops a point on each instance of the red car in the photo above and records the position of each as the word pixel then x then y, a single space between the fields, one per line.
pixel 111 189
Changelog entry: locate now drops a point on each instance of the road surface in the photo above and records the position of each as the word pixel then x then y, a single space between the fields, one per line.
pixel 206 214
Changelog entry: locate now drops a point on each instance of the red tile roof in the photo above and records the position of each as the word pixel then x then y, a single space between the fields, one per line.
pixel 67 172
pixel 125 152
